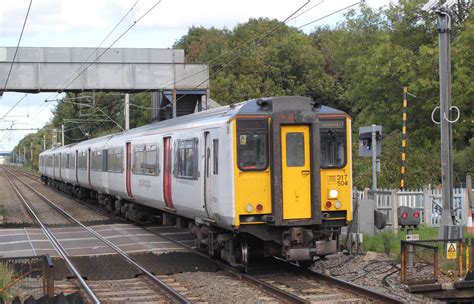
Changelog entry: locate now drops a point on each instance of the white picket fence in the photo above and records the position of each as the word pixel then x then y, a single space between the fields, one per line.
pixel 427 200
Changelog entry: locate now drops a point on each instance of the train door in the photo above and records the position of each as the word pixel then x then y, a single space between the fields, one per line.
pixel 167 172
pixel 89 166
pixel 211 148
pixel 60 165
pixel 54 166
pixel 128 169
pixel 296 175
pixel 76 163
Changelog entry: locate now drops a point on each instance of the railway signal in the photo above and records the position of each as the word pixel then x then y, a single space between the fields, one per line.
pixel 370 145
pixel 408 217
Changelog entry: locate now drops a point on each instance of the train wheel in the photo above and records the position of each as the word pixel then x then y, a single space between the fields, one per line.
pixel 242 251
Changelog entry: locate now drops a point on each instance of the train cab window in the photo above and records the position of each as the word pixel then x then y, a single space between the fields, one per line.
pixel 138 159
pixel 252 137
pixel 82 161
pixel 333 143
pixel 151 160
pixel 215 156
pixel 71 161
pixel 110 160
pixel 118 161
pixel 295 149
pixel 186 159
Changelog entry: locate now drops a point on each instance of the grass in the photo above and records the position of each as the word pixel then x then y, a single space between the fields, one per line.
pixel 388 242
pixel 6 277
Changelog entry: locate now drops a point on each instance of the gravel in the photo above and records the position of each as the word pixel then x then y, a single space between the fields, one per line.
pixel 217 287
pixel 371 270
pixel 14 213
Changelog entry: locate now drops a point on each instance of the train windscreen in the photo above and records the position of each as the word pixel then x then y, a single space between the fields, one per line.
pixel 252 144
pixel 333 143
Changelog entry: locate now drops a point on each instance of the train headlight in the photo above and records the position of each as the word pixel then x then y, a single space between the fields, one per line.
pixel 338 204
pixel 249 208
pixel 333 193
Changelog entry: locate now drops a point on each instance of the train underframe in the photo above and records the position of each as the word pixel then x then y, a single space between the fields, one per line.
pixel 251 242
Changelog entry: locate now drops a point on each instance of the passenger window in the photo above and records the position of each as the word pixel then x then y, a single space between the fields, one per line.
pixel 57 161
pixel 82 161
pixel 186 160
pixel 110 160
pixel 151 158
pixel 72 159
pixel 295 149
pixel 215 155
pixel 64 161
pixel 96 160
pixel 138 159
pixel 118 161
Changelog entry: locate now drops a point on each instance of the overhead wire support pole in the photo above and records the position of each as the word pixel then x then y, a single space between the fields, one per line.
pixel 62 135
pixel 127 112
pixel 404 138
pixel 444 29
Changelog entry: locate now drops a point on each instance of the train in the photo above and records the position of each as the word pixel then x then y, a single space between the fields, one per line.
pixel 264 177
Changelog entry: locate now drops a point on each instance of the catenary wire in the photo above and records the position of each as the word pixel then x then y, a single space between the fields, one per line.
pixel 239 55
pixel 329 15
pixel 13 107
pixel 252 42
pixel 113 43
pixel 102 42
pixel 17 46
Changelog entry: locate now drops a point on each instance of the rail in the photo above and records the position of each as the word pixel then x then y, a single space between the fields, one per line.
pixel 281 294
pixel 177 297
pixel 57 246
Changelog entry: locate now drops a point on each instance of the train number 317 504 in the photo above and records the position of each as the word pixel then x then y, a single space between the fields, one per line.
pixel 342 180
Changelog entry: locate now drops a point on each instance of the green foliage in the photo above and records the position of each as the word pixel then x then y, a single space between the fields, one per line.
pixel 6 276
pixel 388 242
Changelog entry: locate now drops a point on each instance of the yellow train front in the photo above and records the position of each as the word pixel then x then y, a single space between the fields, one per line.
pixel 292 180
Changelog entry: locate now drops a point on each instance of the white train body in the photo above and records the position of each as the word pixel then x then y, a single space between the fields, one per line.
pixel 275 171
pixel 188 193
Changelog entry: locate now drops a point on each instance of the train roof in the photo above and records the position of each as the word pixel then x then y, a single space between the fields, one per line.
pixel 220 114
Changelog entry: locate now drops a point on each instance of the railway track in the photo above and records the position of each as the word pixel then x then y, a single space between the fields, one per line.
pixel 291 283
pixel 294 284
pixel 168 294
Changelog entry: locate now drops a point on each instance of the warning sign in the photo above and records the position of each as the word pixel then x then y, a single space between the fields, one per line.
pixel 451 251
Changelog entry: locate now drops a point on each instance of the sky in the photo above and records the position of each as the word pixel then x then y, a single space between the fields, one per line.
pixel 85 23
